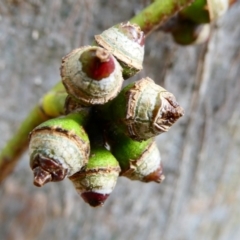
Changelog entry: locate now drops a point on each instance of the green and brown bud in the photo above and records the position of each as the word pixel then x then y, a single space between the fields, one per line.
pixel 143 110
pixel 205 11
pixel 197 12
pixel 57 98
pixel 189 32
pixel 91 75
pixel 126 42
pixel 97 180
pixel 58 148
pixel 138 160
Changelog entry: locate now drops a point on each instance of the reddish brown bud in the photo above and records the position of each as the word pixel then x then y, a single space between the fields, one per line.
pixel 41 177
pixel 97 63
pixel 46 169
pixel 94 199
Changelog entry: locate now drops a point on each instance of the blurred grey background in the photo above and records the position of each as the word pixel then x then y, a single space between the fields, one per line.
pixel 199 198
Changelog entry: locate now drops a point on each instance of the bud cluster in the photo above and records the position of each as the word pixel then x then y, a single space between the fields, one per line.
pixel 106 132
pixel 192 24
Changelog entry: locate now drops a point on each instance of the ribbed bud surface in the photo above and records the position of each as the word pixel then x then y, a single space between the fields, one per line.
pixel 91 75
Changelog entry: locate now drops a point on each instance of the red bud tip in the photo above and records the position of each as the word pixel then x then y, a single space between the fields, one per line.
pixel 156 176
pixel 41 177
pixel 94 199
pixel 133 32
pixel 97 63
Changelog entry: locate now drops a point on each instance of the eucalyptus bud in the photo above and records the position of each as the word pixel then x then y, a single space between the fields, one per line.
pixel 205 11
pixel 97 180
pixel 57 98
pixel 189 32
pixel 196 12
pixel 58 148
pixel 126 42
pixel 138 160
pixel 143 110
pixel 91 75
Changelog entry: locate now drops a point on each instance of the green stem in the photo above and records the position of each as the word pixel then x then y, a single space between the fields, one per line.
pixel 51 105
pixel 157 13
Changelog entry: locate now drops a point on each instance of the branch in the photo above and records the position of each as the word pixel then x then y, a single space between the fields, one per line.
pixel 158 13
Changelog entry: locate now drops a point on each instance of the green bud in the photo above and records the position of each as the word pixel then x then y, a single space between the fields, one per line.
pixel 58 148
pixel 97 180
pixel 56 97
pixel 143 110
pixel 188 32
pixel 196 12
pixel 205 11
pixel 138 160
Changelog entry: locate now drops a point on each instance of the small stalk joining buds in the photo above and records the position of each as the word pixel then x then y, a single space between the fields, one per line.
pixel 138 160
pixel 126 42
pixel 97 180
pixel 91 75
pixel 58 148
